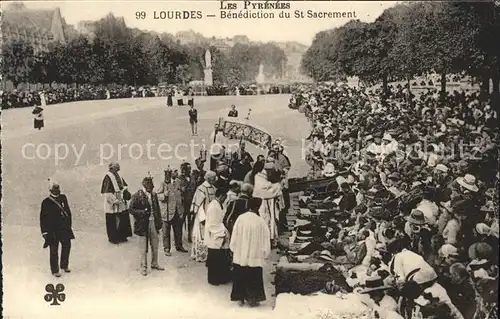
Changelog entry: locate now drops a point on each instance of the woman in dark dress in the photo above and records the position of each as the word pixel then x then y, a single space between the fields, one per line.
pixel 38 117
pixel 169 98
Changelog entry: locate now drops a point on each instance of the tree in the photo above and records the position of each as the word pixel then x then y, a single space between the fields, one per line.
pixel 321 61
pixel 19 59
pixel 274 59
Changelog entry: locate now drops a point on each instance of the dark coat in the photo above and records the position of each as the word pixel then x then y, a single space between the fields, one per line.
pixel 188 188
pixel 463 296
pixel 138 205
pixel 347 202
pixel 233 113
pixel 240 170
pixel 54 222
pixel 235 208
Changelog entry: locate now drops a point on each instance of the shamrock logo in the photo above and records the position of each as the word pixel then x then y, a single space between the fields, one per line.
pixel 54 294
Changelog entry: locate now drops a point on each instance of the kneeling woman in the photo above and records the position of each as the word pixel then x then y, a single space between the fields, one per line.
pixel 217 241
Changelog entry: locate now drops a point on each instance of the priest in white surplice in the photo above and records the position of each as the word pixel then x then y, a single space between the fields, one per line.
pixel 204 194
pixel 251 245
pixel 116 195
pixel 272 199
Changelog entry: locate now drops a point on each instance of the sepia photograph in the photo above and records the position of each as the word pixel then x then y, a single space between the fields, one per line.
pixel 251 159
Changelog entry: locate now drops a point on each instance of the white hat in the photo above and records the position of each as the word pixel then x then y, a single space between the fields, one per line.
pixel 468 182
pixel 329 170
pixel 387 137
pixel 447 250
pixel 326 255
pixel 215 148
pixel 442 168
pixel 483 229
pixel 494 229
pixel 416 184
pixel 269 165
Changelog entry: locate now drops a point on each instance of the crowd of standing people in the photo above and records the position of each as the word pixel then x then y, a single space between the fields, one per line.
pixel 228 212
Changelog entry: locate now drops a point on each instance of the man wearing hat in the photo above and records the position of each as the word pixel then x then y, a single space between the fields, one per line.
pixel 116 195
pixel 376 146
pixel 172 209
pixel 385 305
pixel 217 156
pixel 145 208
pixel 55 225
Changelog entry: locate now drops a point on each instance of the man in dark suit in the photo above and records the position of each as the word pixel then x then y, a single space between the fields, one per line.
pixel 145 208
pixel 241 168
pixel 348 201
pixel 188 185
pixel 237 207
pixel 55 224
pixel 233 112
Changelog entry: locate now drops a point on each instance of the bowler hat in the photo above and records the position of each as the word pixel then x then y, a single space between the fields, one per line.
pixel 416 217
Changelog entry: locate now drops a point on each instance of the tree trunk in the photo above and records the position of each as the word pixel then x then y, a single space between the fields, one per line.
pixel 496 84
pixel 485 86
pixel 443 83
pixel 385 84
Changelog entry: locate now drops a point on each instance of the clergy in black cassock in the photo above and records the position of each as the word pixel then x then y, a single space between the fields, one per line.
pixel 114 189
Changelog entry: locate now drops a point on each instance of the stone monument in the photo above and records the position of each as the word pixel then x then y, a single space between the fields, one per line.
pixel 260 77
pixel 208 69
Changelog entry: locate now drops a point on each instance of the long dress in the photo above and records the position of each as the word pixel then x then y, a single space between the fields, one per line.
pixel 169 100
pixel 272 200
pixel 38 120
pixel 204 194
pixel 217 242
pixel 118 225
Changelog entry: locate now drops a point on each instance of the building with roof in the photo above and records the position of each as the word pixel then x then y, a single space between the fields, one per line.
pixel 36 27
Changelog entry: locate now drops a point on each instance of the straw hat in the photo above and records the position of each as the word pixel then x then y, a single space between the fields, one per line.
pixel 448 250
pixel 441 168
pixel 468 182
pixel 326 255
pixel 488 207
pixel 372 284
pixel 387 137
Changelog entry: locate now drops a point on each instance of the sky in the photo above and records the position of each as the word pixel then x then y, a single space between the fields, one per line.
pixel 294 29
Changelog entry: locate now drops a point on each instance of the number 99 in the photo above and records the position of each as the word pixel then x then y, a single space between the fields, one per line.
pixel 140 15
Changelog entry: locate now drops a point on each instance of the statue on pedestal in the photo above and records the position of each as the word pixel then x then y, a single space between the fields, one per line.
pixel 260 77
pixel 208 69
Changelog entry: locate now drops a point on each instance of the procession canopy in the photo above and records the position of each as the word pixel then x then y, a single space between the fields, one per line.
pixel 243 130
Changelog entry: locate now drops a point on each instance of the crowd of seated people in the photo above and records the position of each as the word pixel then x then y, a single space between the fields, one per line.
pixel 29 98
pixel 412 216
